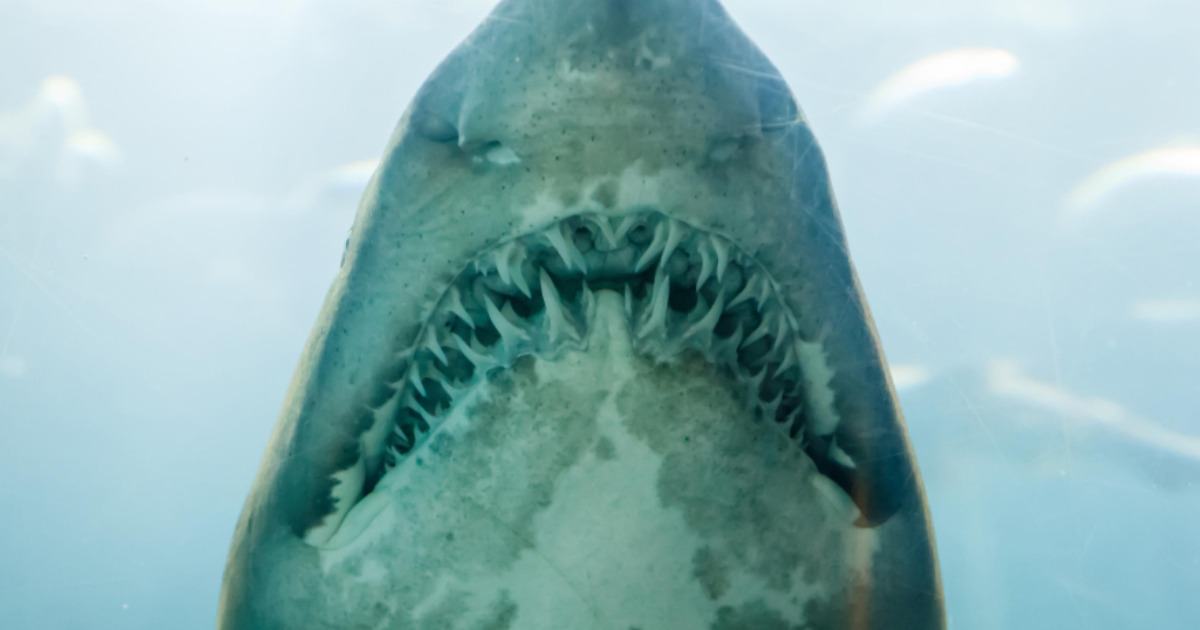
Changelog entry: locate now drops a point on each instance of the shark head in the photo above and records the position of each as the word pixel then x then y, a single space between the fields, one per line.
pixel 596 357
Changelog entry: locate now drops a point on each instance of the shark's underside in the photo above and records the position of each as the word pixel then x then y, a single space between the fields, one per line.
pixel 596 358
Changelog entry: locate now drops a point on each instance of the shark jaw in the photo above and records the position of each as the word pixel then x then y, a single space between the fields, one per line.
pixel 681 290
pixel 596 357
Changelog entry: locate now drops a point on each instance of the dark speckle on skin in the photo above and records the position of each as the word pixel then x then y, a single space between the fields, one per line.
pixel 605 450
pixel 491 481
pixel 711 571
pixel 751 616
pixel 559 423
pixel 606 194
pixel 447 612
pixel 740 485
pixel 502 614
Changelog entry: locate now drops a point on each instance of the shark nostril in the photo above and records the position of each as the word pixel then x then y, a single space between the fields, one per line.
pixel 437 129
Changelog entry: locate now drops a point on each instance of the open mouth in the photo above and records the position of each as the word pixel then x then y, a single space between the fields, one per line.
pixel 683 288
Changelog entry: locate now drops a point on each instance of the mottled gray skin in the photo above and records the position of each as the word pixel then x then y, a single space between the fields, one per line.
pixel 553 108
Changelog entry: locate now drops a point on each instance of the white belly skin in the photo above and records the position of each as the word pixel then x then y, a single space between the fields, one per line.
pixel 601 490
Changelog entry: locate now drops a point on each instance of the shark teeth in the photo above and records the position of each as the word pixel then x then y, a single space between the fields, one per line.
pixel 707 261
pixel 455 306
pixel 566 248
pixel 681 288
pixel 511 333
pixel 560 327
pixel 709 321
pixel 656 315
pixel 721 248
pixel 657 246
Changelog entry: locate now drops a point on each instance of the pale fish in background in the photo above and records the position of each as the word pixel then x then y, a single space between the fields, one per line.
pixel 56 119
pixel 944 70
pixel 1182 161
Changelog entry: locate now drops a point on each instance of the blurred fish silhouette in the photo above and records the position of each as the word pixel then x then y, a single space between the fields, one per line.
pixel 53 128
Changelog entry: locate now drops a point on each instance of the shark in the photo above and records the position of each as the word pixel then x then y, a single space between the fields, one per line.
pixel 596 357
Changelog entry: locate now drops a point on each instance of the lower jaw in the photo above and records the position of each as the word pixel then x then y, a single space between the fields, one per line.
pixel 603 480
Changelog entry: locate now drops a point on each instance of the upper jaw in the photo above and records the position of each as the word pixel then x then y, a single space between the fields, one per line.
pixel 508 139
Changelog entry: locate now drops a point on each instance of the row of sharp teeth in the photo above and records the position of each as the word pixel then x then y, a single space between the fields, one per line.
pixel 509 304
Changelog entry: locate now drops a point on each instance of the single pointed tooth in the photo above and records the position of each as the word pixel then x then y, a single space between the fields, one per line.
pixel 559 243
pixel 409 442
pixel 729 345
pixel 565 247
pixel 772 406
pixel 765 292
pixel 430 419
pixel 456 306
pixel 629 302
pixel 655 248
pixel 511 315
pixel 605 228
pixel 549 291
pixel 572 249
pixel 754 381
pixel 588 300
pixel 764 328
pixel 508 331
pixel 452 385
pixel 518 277
pixel 452 390
pixel 559 324
pixel 502 255
pixel 721 247
pixel 710 319
pixel 791 319
pixel 431 342
pixel 657 315
pixel 626 224
pixel 407 430
pixel 781 336
pixel 749 291
pixel 840 456
pixel 706 262
pixel 414 377
pixel 796 429
pixel 790 358
pixel 674 235
pixel 522 284
pixel 482 362
pixel 402 438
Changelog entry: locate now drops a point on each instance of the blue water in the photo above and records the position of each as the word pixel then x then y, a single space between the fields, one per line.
pixel 177 180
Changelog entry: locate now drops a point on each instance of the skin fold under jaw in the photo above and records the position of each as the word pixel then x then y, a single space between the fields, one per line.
pixel 596 358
